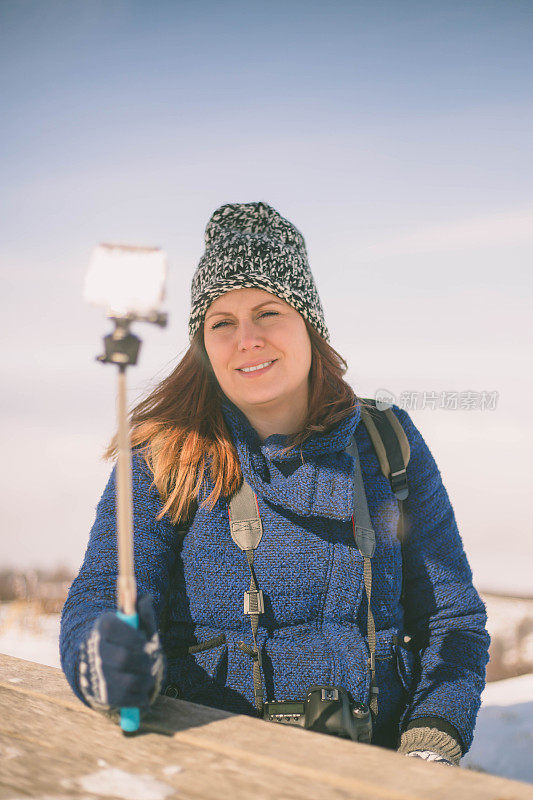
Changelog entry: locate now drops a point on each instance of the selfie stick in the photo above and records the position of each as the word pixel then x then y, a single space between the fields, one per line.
pixel 122 348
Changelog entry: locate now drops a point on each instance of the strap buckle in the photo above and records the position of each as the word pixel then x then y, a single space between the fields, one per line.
pixel 253 602
pixel 399 485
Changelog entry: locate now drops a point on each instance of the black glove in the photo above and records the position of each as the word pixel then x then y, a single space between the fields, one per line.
pixel 121 666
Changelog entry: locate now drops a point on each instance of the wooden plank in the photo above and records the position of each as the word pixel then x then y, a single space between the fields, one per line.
pixel 53 746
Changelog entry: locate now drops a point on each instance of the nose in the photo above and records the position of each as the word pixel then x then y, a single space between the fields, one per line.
pixel 249 335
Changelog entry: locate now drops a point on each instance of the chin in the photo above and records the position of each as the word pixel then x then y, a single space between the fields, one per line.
pixel 259 398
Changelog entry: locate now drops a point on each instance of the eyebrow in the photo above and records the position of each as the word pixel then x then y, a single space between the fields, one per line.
pixel 228 313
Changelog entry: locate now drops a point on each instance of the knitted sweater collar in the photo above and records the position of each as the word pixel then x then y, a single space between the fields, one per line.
pixel 321 486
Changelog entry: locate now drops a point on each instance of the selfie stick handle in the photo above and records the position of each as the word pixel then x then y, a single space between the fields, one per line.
pixel 126 588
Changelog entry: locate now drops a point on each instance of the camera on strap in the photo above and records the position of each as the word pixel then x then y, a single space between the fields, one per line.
pixel 326 709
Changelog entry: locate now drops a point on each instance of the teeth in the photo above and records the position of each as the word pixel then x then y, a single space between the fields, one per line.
pixel 259 366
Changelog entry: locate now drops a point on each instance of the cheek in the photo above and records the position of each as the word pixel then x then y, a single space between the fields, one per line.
pixel 308 352
pixel 305 345
pixel 301 351
pixel 216 356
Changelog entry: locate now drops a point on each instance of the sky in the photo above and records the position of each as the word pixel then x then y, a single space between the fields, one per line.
pixel 397 136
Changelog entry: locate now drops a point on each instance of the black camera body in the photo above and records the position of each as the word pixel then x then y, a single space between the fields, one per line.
pixel 326 709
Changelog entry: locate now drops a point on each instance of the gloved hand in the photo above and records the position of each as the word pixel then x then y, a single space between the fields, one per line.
pixel 121 666
pixel 430 755
pixel 431 744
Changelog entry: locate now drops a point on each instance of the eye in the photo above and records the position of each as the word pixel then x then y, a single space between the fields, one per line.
pixel 262 314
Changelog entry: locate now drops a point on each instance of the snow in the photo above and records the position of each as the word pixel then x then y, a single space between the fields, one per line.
pixel 503 740
pixel 113 782
pixel 8 752
pixel 173 769
pixel 25 634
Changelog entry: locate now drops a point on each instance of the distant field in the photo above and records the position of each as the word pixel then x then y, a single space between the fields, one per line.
pixel 510 624
pixel 27 632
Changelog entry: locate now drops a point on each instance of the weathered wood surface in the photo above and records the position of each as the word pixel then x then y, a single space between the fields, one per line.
pixel 52 747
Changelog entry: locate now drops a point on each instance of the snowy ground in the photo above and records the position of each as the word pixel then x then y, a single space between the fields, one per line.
pixel 25 634
pixel 503 742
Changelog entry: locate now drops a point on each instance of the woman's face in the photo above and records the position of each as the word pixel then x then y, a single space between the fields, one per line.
pixel 248 328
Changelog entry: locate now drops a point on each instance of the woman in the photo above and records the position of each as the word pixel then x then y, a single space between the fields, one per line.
pixel 259 400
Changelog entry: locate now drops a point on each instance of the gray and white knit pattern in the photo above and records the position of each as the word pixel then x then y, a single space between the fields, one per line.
pixel 252 245
pixel 154 651
pixel 91 676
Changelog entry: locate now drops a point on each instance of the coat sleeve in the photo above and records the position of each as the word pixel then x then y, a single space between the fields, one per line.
pixel 94 589
pixel 443 611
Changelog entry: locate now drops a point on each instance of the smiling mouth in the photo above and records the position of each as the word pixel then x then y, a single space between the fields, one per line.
pixel 258 367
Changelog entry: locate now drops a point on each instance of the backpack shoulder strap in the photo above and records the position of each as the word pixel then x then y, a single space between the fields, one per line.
pixel 390 443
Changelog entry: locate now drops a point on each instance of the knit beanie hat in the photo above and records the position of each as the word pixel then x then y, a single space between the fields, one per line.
pixel 251 245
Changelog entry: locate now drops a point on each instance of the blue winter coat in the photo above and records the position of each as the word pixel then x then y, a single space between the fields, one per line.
pixel 313 630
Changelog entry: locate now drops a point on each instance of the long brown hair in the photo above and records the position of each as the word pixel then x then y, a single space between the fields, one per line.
pixel 180 425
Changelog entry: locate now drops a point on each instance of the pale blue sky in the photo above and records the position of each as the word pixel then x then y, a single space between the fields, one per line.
pixel 396 135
